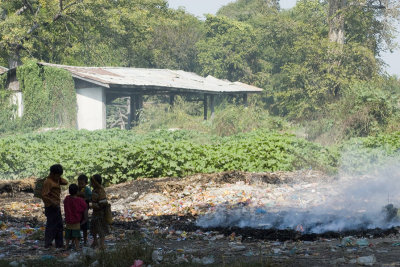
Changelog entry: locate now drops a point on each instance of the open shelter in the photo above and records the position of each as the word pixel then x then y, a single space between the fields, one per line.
pixel 97 86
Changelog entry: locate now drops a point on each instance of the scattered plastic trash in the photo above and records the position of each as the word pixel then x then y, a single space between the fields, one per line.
pixel 87 251
pixel 260 211
pixel 204 261
pixel 208 260
pixel 339 261
pixel 238 248
pixel 94 264
pixel 73 257
pixel 19 238
pixel 276 250
pixel 366 260
pixel 381 251
pixel 249 254
pixel 157 255
pixel 181 259
pixel 362 242
pixel 347 241
pixel 47 257
pixel 138 263
pixel 300 228
pixel 196 260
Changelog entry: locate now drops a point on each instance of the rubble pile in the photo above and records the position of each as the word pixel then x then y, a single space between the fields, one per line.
pixel 167 213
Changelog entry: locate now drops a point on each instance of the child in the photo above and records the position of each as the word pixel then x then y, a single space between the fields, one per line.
pixel 51 196
pixel 98 224
pixel 74 208
pixel 85 193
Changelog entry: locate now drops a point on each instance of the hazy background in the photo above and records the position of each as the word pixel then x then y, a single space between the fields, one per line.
pixel 201 7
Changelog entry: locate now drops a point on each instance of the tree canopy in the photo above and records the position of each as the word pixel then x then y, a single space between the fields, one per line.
pixel 306 58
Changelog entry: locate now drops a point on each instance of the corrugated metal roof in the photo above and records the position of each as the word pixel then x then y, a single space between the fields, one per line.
pixel 3 69
pixel 112 77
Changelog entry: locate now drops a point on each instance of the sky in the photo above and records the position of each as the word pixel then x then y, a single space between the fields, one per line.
pixel 201 7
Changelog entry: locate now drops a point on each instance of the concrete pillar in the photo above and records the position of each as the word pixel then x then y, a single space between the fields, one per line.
pixel 129 112
pixel 212 106
pixel 139 107
pixel 205 106
pixel 245 100
pixel 132 111
pixel 91 104
pixel 140 101
pixel 17 99
pixel 171 100
pixel 136 104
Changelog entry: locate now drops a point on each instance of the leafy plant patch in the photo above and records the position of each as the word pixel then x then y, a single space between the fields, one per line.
pixel 361 155
pixel 121 155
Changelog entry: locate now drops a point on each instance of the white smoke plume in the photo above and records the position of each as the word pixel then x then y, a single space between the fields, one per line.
pixel 349 203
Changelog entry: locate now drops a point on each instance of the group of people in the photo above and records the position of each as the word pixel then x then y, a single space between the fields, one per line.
pixel 76 205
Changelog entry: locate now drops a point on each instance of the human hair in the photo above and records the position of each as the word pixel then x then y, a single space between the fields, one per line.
pixel 73 189
pixel 97 178
pixel 83 178
pixel 56 169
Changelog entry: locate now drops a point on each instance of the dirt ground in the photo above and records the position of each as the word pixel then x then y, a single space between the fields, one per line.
pixel 166 212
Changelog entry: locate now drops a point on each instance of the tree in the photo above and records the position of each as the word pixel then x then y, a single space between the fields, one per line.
pixel 173 41
pixel 307 71
pixel 243 10
pixel 230 50
pixel 79 32
pixel 372 19
pixel 26 22
pixel 336 21
pixel 111 33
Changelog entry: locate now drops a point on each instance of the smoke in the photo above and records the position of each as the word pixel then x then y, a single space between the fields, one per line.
pixel 353 201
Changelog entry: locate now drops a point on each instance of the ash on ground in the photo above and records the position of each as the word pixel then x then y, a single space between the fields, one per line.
pixel 301 218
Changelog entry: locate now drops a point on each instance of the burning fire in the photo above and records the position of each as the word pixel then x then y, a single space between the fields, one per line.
pixel 350 203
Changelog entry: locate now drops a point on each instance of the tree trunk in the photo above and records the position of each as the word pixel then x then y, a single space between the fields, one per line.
pixel 336 20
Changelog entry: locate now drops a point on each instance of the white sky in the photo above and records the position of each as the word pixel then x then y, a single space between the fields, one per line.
pixel 201 7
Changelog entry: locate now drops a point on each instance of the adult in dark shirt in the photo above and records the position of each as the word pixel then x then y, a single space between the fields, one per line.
pixel 51 196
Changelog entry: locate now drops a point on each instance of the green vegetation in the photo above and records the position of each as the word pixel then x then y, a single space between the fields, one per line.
pixel 228 118
pixel 122 155
pixel 361 155
pixel 333 87
pixel 321 80
pixel 49 96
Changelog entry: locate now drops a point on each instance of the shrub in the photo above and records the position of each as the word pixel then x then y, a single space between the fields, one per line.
pixel 233 119
pixel 361 155
pixel 121 155
pixel 364 109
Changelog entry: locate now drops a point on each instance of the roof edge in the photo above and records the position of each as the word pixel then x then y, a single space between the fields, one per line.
pixel 3 69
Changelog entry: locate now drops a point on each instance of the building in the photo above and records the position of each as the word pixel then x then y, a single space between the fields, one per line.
pixel 97 86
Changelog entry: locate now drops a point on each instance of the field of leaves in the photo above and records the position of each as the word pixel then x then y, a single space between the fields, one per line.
pixel 362 155
pixel 121 155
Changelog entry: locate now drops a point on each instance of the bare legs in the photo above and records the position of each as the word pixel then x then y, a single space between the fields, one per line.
pixel 75 240
pixel 96 242
pixel 85 237
pixel 67 243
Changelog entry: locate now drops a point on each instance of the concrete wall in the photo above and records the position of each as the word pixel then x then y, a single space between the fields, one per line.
pixel 16 99
pixel 91 104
